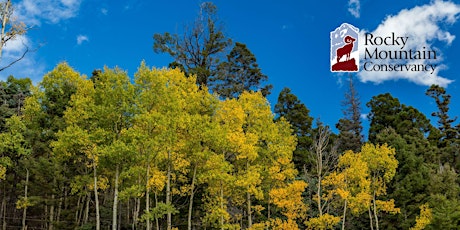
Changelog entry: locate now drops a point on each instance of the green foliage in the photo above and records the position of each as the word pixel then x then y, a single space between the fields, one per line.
pixel 238 74
pixel 197 51
pixel 410 185
pixel 12 95
pixel 297 114
pixel 446 212
pixel 387 111
pixel 447 139
pixel 159 149
pixel 159 211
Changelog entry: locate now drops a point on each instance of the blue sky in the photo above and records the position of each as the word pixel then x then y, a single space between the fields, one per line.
pixel 289 38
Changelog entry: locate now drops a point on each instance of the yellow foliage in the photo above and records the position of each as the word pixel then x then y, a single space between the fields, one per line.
pixel 387 206
pixel 157 180
pixel 359 202
pixel 381 162
pixel 289 199
pixel 2 172
pixel 259 226
pixel 351 183
pixel 424 219
pixel 22 203
pixel 323 222
pixel 279 224
pixel 361 175
pixel 275 224
pixel 102 184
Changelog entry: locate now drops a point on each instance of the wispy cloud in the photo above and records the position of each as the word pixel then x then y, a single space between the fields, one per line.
pixel 34 12
pixel 29 66
pixel 424 25
pixel 354 8
pixel 81 39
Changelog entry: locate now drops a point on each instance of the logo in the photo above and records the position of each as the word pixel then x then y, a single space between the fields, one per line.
pixel 344 49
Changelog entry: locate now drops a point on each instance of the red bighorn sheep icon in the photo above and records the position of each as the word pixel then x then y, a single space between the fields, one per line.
pixel 346 49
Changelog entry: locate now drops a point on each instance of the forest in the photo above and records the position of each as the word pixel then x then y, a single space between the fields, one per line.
pixel 197 145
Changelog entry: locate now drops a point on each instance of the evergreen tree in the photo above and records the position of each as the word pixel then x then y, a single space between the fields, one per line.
pixel 13 92
pixel 239 73
pixel 387 111
pixel 297 114
pixel 409 187
pixel 447 140
pixel 442 100
pixel 350 127
pixel 444 198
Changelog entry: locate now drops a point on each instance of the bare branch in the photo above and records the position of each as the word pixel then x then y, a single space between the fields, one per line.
pixel 27 50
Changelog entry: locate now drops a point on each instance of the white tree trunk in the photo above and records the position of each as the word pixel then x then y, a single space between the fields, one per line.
pixel 192 193
pixel 96 197
pixel 344 215
pixel 24 212
pixel 147 198
pixel 115 200
pixel 168 191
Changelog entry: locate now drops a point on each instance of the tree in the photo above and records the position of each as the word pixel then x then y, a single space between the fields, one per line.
pixel 382 168
pixel 80 138
pixel 448 139
pixel 410 186
pixel 350 183
pixel 13 93
pixel 13 144
pixel 174 132
pixel 324 154
pixel 362 178
pixel 324 160
pixel 198 50
pixel 112 114
pixel 297 114
pixel 43 115
pixel 289 200
pixel 350 127
pixel 239 73
pixel 11 29
pixel 444 191
pixel 442 100
pixel 260 151
pixel 387 111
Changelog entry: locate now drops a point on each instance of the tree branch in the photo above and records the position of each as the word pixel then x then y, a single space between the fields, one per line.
pixel 20 58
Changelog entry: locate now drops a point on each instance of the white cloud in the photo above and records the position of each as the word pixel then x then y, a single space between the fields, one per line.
pixel 354 8
pixel 33 12
pixel 424 25
pixel 81 39
pixel 29 66
pixel 364 116
pixel 16 45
